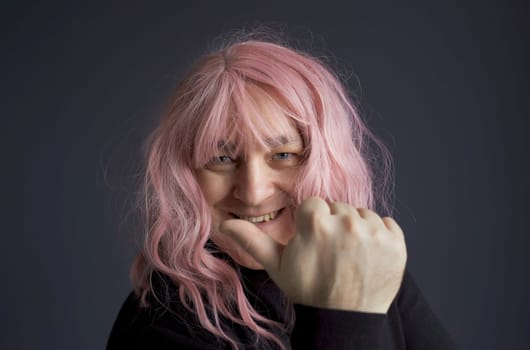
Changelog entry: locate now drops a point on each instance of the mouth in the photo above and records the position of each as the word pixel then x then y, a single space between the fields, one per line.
pixel 260 219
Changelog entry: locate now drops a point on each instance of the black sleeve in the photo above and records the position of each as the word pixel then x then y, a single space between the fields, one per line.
pixel 317 328
pixel 421 327
pixel 409 324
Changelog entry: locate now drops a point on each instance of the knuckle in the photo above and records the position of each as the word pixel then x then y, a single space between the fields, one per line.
pixel 392 225
pixel 363 211
pixel 339 207
pixel 310 205
pixel 315 219
pixel 349 223
pixel 366 211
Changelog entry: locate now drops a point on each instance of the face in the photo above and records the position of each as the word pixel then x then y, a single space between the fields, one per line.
pixel 257 186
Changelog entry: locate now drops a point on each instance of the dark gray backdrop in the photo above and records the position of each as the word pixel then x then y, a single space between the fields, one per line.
pixel 445 86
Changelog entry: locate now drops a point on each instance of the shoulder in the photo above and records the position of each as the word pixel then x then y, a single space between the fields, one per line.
pixel 163 323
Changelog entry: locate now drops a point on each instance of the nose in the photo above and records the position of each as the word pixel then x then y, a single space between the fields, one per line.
pixel 254 182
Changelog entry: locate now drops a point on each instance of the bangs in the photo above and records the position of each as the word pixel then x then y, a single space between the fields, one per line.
pixel 252 116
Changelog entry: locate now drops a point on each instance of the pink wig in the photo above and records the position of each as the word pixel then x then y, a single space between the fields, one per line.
pixel 215 99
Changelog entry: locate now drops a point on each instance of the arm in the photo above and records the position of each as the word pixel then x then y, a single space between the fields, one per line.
pixel 409 324
pixel 346 266
pixel 342 270
pixel 317 328
pixel 421 327
pixel 340 257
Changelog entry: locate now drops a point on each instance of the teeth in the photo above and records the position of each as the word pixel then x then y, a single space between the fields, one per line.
pixel 263 218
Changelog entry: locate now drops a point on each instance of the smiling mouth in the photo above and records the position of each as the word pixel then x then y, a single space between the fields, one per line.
pixel 259 219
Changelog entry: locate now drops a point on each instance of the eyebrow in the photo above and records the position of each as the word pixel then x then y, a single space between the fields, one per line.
pixel 228 147
pixel 281 140
pixel 271 142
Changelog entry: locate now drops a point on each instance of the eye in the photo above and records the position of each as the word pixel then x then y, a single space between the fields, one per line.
pixel 285 159
pixel 221 160
pixel 283 155
pixel 220 163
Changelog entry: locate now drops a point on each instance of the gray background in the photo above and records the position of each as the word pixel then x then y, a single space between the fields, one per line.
pixel 444 85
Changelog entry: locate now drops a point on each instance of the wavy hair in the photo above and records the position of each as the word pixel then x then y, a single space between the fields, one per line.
pixel 212 100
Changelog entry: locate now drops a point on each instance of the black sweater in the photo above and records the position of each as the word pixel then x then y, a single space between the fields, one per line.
pixel 409 323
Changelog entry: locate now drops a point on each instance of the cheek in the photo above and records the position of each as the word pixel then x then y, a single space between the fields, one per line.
pixel 288 228
pixel 288 180
pixel 214 187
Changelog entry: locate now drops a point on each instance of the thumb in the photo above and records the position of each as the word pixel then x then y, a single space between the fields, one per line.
pixel 256 242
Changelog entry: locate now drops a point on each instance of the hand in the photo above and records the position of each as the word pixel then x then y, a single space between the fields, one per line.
pixel 340 258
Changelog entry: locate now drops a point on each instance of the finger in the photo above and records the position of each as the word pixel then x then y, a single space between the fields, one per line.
pixel 339 208
pixel 392 226
pixel 309 212
pixel 256 242
pixel 371 217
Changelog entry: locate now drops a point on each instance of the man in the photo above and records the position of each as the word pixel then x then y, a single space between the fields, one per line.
pixel 263 164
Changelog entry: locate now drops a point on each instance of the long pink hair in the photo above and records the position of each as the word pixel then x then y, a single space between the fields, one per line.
pixel 213 100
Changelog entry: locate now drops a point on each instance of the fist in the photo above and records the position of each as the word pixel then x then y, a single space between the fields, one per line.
pixel 340 258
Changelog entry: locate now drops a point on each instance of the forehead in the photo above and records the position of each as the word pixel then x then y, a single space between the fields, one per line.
pixel 254 118
pixel 260 119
